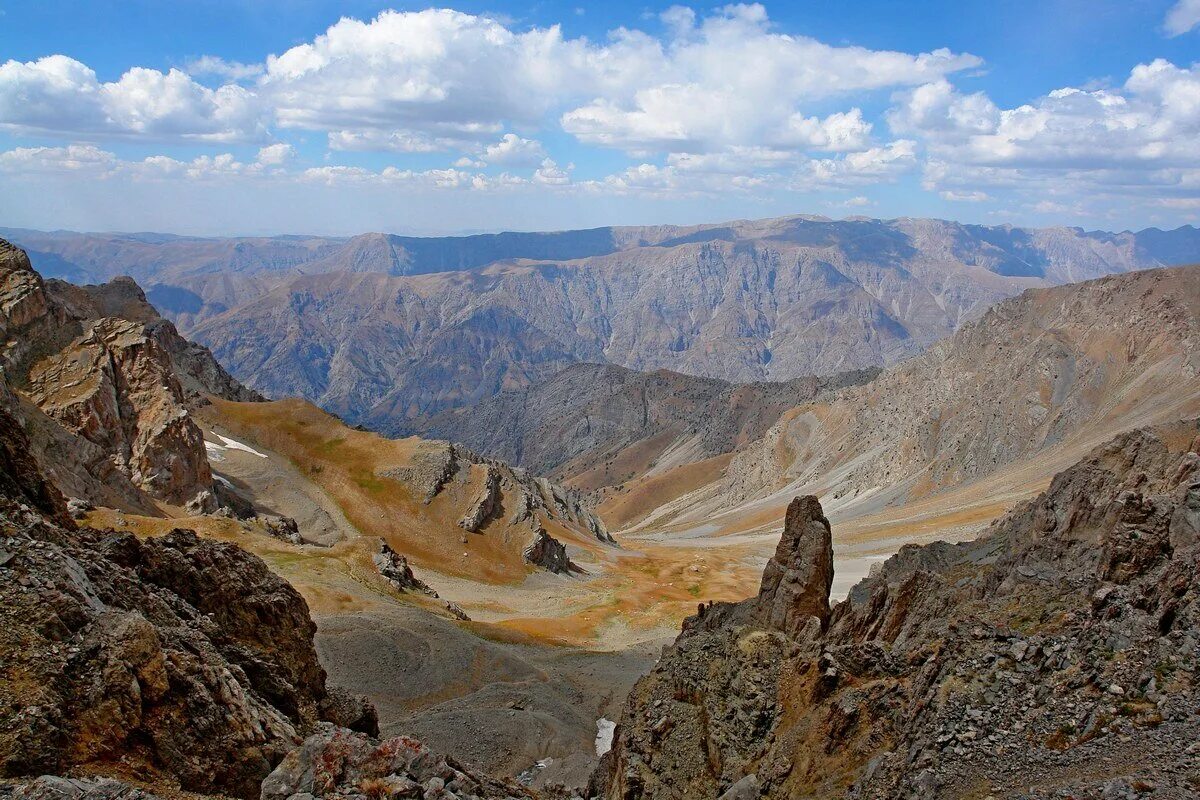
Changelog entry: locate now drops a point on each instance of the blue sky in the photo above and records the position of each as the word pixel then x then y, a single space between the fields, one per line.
pixel 294 116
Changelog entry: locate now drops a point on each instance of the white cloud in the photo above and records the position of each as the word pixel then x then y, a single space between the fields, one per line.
pixel 729 80
pixel 964 197
pixel 549 174
pixel 1183 17
pixel 512 150
pixel 1143 133
pixel 60 95
pixel 77 158
pixel 416 71
pixel 276 155
pixel 876 165
pixel 419 81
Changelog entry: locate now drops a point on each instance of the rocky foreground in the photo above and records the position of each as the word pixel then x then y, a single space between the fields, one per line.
pixel 1055 656
pixel 176 662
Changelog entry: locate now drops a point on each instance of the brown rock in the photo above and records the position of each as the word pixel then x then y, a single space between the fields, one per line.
pixel 797 579
pixel 116 387
pixel 549 553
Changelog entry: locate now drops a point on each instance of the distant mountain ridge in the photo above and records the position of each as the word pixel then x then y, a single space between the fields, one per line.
pixel 151 257
pixel 388 330
pixel 598 425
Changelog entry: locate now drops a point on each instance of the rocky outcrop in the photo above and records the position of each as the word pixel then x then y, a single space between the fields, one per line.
pixel 432 469
pixel 794 596
pixel 438 465
pixel 54 787
pixel 21 481
pixel 1055 655
pixel 116 387
pixel 485 503
pixel 113 383
pixel 30 324
pixel 184 659
pixel 339 763
pixel 549 553
pixel 198 372
pixel 396 571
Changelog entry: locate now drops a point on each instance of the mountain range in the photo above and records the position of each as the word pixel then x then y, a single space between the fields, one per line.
pixel 386 330
pixel 191 572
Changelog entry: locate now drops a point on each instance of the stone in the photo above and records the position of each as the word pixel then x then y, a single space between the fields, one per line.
pixel 396 571
pixel 547 552
pixel 340 763
pixel 797 580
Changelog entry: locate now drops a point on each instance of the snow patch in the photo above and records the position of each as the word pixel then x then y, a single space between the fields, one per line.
pixel 605 728
pixel 216 452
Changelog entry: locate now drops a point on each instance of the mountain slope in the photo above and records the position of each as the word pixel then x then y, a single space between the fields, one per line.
pixel 598 425
pixel 744 302
pixel 99 393
pixel 1043 374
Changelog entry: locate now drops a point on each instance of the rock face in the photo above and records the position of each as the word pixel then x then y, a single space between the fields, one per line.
pixel 1056 655
pixel 439 463
pixel 485 503
pixel 549 553
pixel 112 423
pixel 116 387
pixel 187 660
pixel 196 368
pixel 187 657
pixel 339 763
pixel 53 787
pixel 606 424
pixel 747 301
pixel 794 596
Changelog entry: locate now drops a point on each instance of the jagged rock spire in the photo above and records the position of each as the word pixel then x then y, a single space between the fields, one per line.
pixel 797 580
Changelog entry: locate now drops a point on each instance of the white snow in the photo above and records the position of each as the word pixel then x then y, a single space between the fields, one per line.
pixel 216 452
pixel 605 728
pixel 233 444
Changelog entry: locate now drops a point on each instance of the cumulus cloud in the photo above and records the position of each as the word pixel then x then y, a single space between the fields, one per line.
pixel 276 155
pixel 77 158
pixel 730 80
pixel 60 95
pixel 441 79
pixel 550 174
pixel 1141 133
pixel 512 150
pixel 876 165
pixel 1183 17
